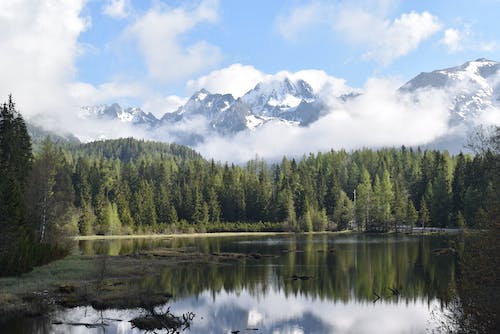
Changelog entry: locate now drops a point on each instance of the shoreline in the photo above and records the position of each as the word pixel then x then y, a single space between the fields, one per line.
pixel 417 231
pixel 179 235
pixel 200 234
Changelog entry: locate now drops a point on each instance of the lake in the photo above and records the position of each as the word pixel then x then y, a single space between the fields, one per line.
pixel 319 283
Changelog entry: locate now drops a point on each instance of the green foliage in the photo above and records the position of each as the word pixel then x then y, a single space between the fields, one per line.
pixel 411 214
pixel 424 215
pixel 15 166
pixel 343 211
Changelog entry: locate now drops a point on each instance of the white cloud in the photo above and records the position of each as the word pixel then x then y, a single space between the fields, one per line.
pixel 160 105
pixel 118 9
pixel 380 117
pixel 157 33
pixel 387 40
pixel 366 26
pixel 452 39
pixel 237 79
pixel 300 18
pixel 87 94
pixel 465 39
pixel 38 52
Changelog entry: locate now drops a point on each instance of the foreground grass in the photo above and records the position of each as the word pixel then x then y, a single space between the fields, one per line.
pixel 15 292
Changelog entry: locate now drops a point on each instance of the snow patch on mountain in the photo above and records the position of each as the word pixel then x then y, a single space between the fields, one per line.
pixel 472 87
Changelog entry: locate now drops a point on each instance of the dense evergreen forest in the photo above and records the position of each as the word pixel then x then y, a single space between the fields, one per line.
pixel 133 186
pixel 127 186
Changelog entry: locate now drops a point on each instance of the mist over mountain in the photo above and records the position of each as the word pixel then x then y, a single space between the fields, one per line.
pixel 456 99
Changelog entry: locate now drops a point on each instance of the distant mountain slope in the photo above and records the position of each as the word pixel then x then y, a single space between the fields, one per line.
pixel 38 134
pixel 473 86
pixel 130 149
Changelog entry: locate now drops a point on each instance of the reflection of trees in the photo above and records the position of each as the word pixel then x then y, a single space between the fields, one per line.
pixel 476 308
pixel 341 268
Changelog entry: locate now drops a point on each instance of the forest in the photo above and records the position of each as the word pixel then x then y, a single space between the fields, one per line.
pixel 128 186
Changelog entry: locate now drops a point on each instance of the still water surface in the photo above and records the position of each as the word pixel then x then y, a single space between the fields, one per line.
pixel 345 274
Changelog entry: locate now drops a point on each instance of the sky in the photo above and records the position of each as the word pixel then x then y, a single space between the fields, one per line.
pixel 59 55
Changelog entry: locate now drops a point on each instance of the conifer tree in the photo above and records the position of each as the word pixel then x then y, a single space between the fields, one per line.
pixel 411 214
pixel 363 205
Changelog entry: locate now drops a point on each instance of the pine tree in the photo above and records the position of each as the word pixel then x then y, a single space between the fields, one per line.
pixel 15 167
pixel 343 213
pixel 213 206
pixel 363 205
pixel 424 217
pixel 411 214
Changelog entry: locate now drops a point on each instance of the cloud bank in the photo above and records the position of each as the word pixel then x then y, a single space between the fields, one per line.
pixel 367 27
pixel 380 117
pixel 39 49
pixel 157 34
pixel 238 79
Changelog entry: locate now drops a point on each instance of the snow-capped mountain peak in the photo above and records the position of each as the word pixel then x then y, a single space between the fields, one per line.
pixel 473 91
pixel 473 87
pixel 116 112
pixel 273 97
pixel 200 95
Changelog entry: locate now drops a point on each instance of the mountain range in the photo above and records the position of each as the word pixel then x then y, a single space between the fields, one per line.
pixel 473 90
pixel 286 101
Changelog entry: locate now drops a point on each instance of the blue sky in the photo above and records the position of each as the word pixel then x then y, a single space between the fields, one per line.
pixel 61 54
pixel 254 33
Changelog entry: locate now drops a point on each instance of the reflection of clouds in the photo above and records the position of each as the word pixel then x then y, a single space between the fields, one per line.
pixel 246 296
pixel 273 312
pixel 254 318
pixel 277 313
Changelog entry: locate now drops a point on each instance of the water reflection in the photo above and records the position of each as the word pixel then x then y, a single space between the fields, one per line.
pixel 341 268
pixel 346 274
pixel 271 313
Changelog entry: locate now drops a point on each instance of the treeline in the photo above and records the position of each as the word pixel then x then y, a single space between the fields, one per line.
pixel 132 186
pixel 129 186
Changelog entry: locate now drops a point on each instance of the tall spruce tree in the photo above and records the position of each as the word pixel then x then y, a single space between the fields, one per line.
pixel 15 166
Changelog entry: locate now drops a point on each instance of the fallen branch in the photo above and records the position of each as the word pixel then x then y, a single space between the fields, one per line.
pixel 86 324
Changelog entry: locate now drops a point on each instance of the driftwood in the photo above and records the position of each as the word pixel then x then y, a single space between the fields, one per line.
pixel 166 320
